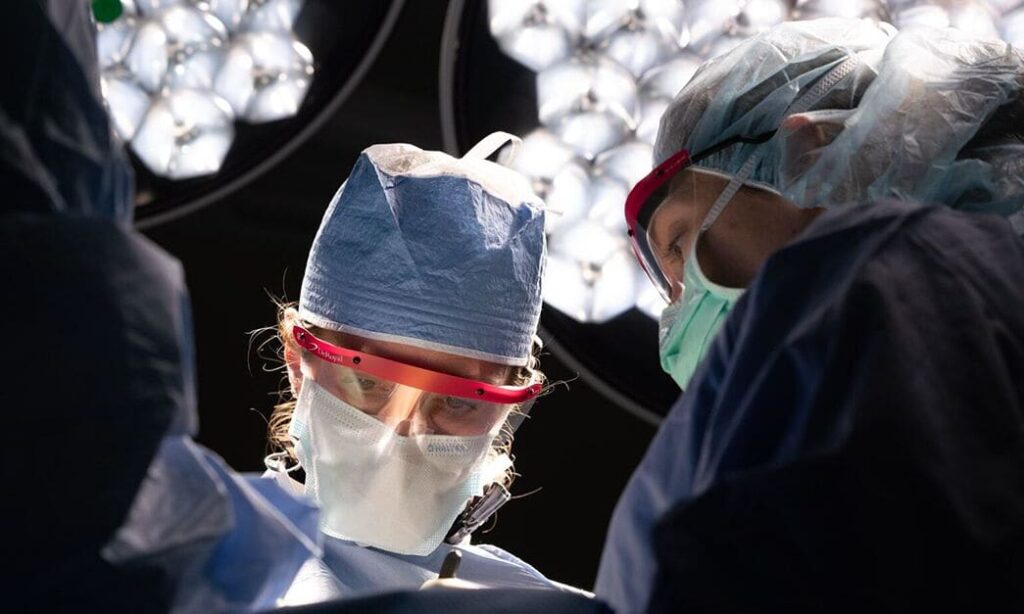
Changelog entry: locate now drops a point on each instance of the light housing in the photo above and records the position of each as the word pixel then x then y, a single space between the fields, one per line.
pixel 238 55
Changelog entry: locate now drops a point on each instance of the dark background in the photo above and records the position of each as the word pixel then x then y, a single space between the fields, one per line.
pixel 577 450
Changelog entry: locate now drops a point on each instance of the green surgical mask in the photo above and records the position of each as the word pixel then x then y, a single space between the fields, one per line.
pixel 688 326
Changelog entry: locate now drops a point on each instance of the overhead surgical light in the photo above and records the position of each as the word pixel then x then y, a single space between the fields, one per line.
pixel 708 20
pixel 128 103
pixel 850 9
pixel 588 266
pixel 589 102
pixel 536 34
pixel 760 15
pixel 185 133
pixel 979 18
pixel 567 198
pixel 177 73
pixel 265 76
pixel 208 95
pixel 637 46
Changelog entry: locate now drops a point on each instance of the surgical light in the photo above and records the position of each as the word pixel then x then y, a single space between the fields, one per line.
pixel 760 15
pixel 128 103
pixel 708 20
pixel 568 197
pixel 651 110
pixel 669 16
pixel 536 34
pixel 231 59
pixel 589 102
pixel 186 133
pixel 850 9
pixel 604 16
pixel 666 79
pixel 588 267
pixel 605 198
pixel 974 18
pixel 265 76
pixel 541 156
pixel 629 162
pixel 270 15
pixel 231 12
pixel 638 46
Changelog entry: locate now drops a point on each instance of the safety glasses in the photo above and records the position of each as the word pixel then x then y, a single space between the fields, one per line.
pixel 651 192
pixel 445 403
pixel 641 204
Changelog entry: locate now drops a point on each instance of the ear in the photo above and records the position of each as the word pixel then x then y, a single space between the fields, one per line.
pixel 804 136
pixel 293 361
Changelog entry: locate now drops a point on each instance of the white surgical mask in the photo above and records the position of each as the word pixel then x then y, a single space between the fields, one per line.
pixel 378 488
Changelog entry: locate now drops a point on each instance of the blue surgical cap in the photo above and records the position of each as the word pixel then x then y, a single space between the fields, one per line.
pixel 930 115
pixel 421 248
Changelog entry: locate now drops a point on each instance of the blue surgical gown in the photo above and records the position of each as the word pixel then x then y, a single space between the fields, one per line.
pixel 854 440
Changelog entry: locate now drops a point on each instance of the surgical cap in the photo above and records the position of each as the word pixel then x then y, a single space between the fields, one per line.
pixel 421 248
pixel 929 115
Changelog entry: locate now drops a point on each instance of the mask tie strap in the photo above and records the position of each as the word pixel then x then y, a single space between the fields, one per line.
pixel 492 143
pixel 800 105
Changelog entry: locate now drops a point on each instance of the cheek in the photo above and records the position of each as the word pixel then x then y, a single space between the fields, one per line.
pixel 728 248
pixel 716 255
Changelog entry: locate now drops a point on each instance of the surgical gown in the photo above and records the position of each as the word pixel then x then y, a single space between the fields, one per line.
pixel 854 440
pixel 350 570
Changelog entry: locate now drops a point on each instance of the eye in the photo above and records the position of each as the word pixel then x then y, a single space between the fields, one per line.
pixel 455 404
pixel 675 248
pixel 367 384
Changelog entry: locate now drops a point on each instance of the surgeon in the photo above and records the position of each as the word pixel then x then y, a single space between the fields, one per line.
pixel 411 360
pixel 834 217
pixel 112 506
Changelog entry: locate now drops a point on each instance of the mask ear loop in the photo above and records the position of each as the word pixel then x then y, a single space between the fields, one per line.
pixel 278 462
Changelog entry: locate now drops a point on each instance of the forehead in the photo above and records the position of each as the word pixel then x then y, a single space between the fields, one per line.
pixel 434 360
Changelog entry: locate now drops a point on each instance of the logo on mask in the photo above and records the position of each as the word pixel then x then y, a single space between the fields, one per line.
pixel 447 447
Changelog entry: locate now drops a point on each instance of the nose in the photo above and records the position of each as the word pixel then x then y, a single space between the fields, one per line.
pixel 400 413
pixel 403 428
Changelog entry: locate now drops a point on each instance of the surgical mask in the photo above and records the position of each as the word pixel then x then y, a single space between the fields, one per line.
pixel 689 325
pixel 687 330
pixel 380 489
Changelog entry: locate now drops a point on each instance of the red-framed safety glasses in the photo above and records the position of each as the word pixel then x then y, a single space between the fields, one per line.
pixel 395 372
pixel 641 204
